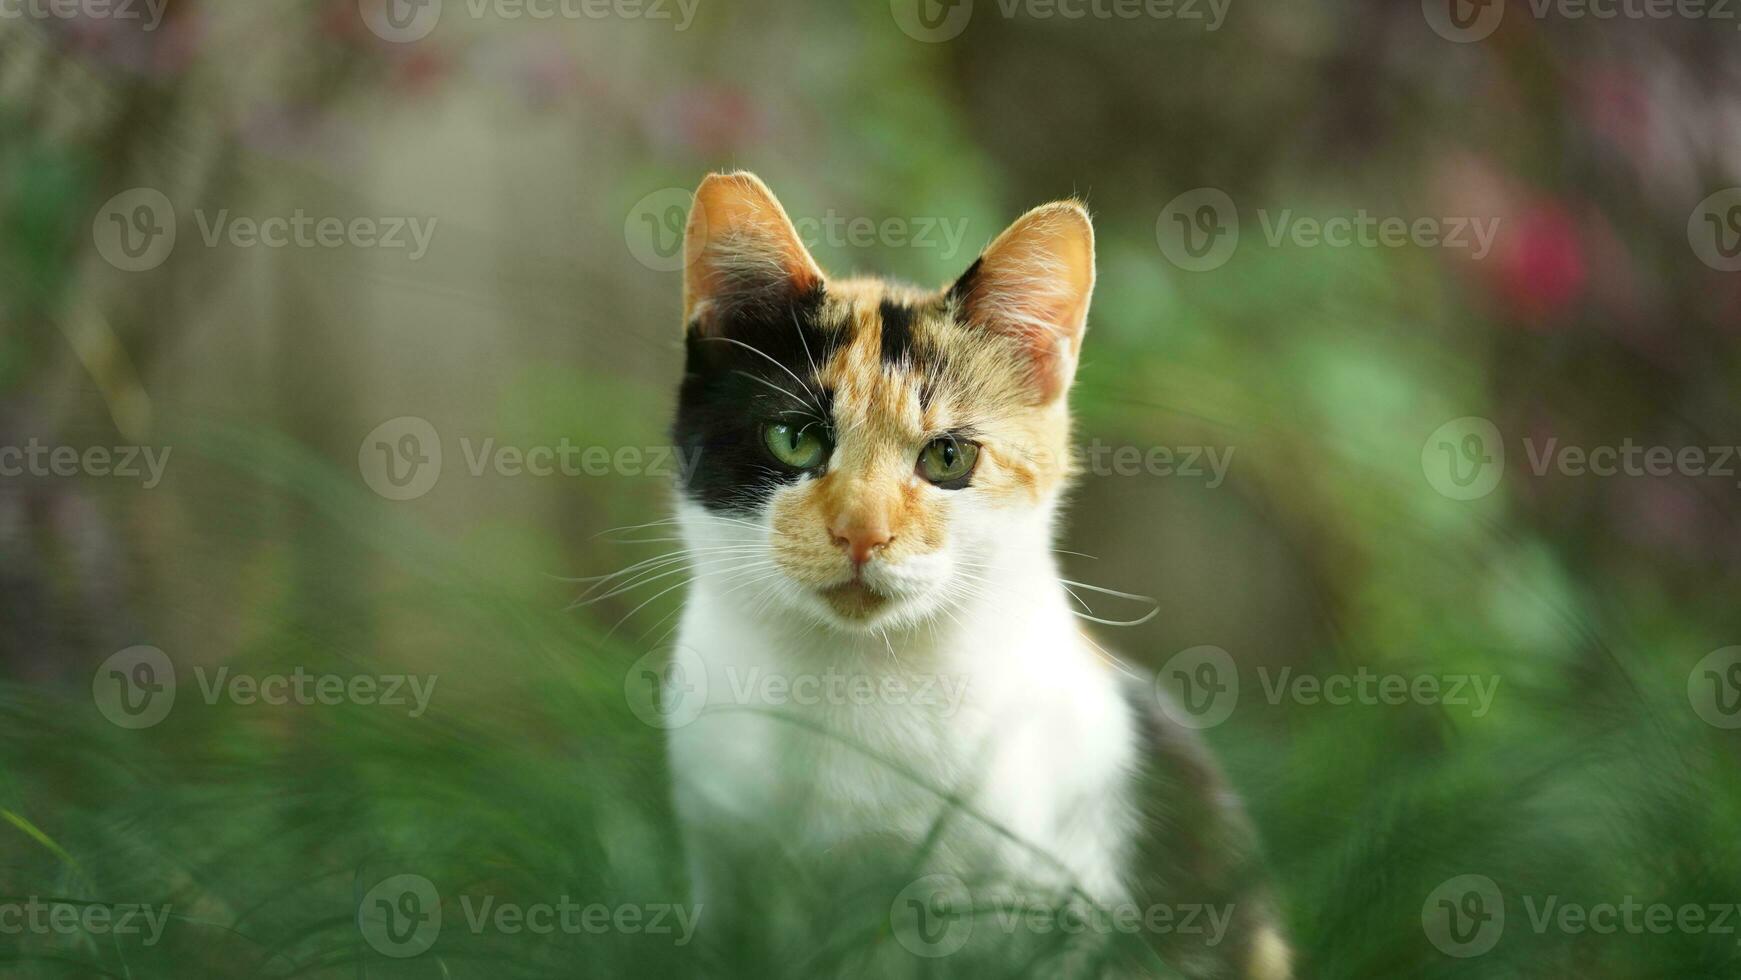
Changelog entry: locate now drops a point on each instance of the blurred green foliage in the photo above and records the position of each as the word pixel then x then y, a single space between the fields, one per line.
pixel 1322 371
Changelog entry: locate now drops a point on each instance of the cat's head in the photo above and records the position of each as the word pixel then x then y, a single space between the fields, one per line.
pixel 868 453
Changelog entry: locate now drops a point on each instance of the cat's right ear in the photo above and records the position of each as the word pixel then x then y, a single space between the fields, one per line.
pixel 740 252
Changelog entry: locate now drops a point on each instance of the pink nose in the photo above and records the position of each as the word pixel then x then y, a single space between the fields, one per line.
pixel 860 537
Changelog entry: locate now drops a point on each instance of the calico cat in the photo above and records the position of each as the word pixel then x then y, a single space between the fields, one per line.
pixel 879 468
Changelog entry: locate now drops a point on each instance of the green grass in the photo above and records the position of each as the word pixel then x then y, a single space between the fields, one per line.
pixel 530 779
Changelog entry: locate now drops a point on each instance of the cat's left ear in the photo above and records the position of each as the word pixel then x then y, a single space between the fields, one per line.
pixel 1032 285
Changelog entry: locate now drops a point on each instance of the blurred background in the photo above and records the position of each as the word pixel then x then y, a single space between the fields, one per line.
pixel 295 297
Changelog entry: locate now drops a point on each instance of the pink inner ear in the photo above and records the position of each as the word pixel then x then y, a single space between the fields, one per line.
pixel 1033 285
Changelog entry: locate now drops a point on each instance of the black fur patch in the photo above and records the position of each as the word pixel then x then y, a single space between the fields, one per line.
pixel 897 345
pixel 959 291
pixel 755 367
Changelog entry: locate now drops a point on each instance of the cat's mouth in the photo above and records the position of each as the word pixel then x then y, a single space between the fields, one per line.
pixel 855 600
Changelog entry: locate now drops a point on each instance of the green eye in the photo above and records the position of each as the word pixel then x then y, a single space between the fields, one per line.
pixel 800 447
pixel 948 462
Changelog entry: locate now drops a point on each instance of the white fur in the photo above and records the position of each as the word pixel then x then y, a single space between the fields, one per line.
pixel 1040 745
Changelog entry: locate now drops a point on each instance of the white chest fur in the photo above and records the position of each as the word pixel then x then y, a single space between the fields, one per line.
pixel 1001 708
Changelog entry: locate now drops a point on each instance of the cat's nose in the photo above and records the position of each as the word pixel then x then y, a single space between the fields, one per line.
pixel 861 535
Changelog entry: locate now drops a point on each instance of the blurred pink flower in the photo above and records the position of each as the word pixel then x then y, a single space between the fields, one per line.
pixel 1540 264
pixel 420 69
